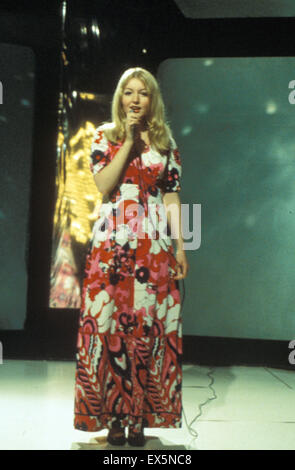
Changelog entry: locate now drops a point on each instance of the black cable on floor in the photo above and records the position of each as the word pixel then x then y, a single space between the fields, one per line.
pixel 192 431
pixel 210 386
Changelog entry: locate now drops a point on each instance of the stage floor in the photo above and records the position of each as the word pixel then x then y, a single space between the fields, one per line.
pixel 253 410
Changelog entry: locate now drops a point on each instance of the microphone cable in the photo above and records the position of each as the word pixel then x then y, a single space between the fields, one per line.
pixel 190 429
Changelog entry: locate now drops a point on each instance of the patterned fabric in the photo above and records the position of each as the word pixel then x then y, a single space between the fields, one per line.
pixel 129 345
pixel 64 284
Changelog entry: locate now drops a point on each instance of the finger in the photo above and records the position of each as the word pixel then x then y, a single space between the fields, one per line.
pixel 134 117
pixel 133 120
pixel 182 270
pixel 179 274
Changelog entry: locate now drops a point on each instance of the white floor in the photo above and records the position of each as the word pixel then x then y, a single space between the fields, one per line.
pixel 254 408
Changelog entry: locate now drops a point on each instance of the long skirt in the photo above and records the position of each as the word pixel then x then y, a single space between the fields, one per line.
pixel 129 345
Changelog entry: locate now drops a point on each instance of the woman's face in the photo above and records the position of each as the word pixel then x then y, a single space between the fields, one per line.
pixel 136 97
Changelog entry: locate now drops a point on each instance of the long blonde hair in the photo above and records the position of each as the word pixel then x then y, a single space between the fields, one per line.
pixel 158 128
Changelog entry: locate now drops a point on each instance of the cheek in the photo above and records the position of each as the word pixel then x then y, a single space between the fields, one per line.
pixel 124 103
pixel 147 104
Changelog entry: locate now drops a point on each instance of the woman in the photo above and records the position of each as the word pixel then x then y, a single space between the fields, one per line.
pixel 129 343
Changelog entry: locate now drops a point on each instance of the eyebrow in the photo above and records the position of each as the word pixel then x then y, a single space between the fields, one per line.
pixel 141 89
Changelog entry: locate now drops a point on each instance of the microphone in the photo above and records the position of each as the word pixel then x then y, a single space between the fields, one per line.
pixel 134 126
pixel 133 130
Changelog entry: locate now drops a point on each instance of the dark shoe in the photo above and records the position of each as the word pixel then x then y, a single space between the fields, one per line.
pixel 116 436
pixel 136 439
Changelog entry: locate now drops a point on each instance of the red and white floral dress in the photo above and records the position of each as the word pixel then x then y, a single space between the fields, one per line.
pixel 129 346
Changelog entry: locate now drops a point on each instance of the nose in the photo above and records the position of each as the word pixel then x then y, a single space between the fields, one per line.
pixel 136 99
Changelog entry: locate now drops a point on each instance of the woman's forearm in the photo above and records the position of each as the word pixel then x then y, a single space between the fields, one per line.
pixel 109 176
pixel 173 211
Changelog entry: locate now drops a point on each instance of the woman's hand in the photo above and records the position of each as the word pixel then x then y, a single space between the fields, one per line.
pixel 182 265
pixel 133 120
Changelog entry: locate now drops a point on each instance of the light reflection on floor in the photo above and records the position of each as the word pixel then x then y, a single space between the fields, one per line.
pixel 254 409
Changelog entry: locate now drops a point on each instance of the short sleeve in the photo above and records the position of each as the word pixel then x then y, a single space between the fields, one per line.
pixel 99 153
pixel 174 170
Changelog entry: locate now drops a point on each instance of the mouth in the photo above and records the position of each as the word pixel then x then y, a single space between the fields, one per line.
pixel 136 109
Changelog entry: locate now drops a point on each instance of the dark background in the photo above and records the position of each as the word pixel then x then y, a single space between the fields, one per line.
pixel 94 65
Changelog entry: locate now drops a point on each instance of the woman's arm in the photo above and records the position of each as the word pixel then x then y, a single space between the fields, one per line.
pixel 173 210
pixel 108 177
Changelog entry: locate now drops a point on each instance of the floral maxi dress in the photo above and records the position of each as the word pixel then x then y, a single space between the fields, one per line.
pixel 129 345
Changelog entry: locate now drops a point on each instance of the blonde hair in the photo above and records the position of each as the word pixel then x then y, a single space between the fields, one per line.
pixel 158 128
